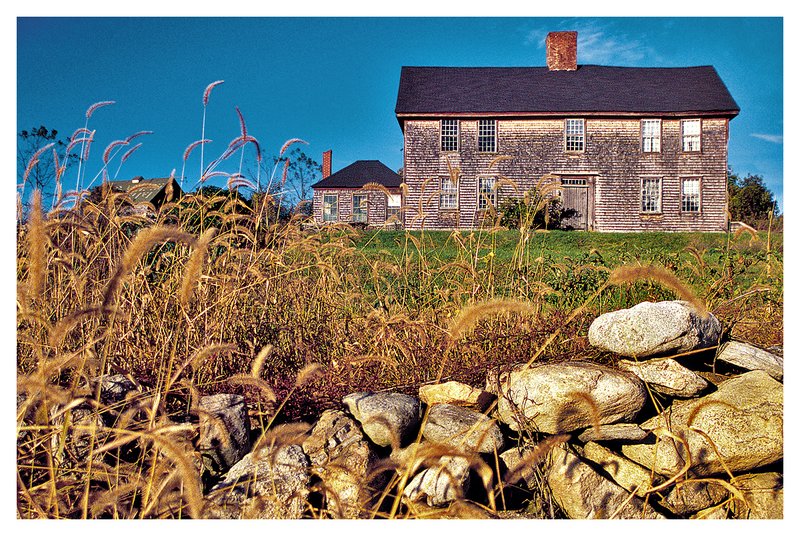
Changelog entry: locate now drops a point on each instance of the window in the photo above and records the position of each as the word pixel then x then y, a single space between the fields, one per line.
pixel 360 208
pixel 393 207
pixel 487 194
pixel 448 194
pixel 690 133
pixel 690 195
pixel 330 208
pixel 449 134
pixel 487 135
pixel 574 135
pixel 651 135
pixel 651 195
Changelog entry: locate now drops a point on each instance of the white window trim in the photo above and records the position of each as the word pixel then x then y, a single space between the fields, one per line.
pixel 324 203
pixel 493 194
pixel 441 136
pixel 660 195
pixel 699 135
pixel 448 193
pixel 583 134
pixel 699 194
pixel 353 207
pixel 478 138
pixel 657 136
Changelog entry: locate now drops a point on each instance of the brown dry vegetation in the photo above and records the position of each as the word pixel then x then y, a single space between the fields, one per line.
pixel 293 319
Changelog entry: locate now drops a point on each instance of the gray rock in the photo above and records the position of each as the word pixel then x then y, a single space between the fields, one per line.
pixel 343 460
pixel 583 493
pixel 447 481
pixel 224 431
pixel 666 376
pixel 654 328
pixel 78 430
pixel 751 358
pixel 553 398
pixel 613 432
pixel 114 388
pixel 269 484
pixel 388 419
pixel 463 429
pixel 743 419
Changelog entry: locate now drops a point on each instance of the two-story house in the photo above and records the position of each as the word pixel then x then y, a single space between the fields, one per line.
pixel 629 148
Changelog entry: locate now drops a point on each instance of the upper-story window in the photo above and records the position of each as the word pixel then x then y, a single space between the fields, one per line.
pixel 574 135
pixel 487 193
pixel 690 135
pixel 651 135
pixel 651 195
pixel 487 136
pixel 449 135
pixel 448 194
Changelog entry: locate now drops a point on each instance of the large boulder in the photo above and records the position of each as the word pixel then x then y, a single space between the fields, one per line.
pixel 462 429
pixel 743 419
pixel 564 397
pixel 751 358
pixel 666 376
pixel 224 431
pixel 388 419
pixel 650 329
pixel 583 493
pixel 343 460
pixel 457 394
pixel 269 484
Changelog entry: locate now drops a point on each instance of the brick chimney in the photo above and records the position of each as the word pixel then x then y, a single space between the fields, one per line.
pixel 562 51
pixel 326 163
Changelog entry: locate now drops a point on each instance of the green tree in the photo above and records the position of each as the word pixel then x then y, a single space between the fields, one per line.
pixel 749 199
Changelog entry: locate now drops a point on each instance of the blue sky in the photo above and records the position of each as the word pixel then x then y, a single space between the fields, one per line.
pixel 333 81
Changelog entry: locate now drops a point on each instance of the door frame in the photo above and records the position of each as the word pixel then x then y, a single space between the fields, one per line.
pixel 589 185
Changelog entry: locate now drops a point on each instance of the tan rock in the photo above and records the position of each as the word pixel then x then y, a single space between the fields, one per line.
pixel 743 419
pixel 457 394
pixel 666 376
pixel 629 475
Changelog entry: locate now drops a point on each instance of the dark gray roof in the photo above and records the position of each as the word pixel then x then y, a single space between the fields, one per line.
pixel 143 190
pixel 359 173
pixel 590 88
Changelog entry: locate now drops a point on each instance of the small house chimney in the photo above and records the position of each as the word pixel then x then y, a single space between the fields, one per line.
pixel 326 163
pixel 562 51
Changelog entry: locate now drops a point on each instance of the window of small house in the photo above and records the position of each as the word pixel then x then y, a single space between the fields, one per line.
pixel 360 208
pixel 651 195
pixel 448 194
pixel 690 132
pixel 574 137
pixel 330 208
pixel 487 193
pixel 487 135
pixel 449 134
pixel 393 207
pixel 651 135
pixel 690 195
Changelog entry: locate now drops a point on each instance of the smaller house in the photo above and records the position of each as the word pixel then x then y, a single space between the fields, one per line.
pixel 156 192
pixel 366 192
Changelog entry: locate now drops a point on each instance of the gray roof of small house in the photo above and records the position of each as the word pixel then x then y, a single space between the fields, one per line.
pixel 588 89
pixel 360 173
pixel 142 190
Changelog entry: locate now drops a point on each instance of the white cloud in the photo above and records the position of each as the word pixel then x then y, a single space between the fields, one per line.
pixel 772 138
pixel 597 44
